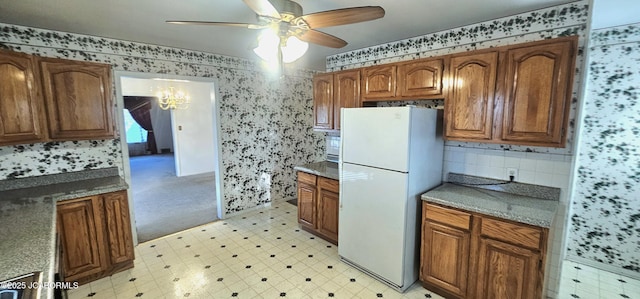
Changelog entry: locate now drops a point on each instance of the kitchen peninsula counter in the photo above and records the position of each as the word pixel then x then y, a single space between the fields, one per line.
pixel 524 203
pixel 325 169
pixel 28 217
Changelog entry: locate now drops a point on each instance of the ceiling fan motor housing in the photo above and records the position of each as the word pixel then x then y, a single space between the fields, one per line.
pixel 287 8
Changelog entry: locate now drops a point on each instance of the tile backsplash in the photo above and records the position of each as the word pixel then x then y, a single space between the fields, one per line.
pixel 333 145
pixel 533 168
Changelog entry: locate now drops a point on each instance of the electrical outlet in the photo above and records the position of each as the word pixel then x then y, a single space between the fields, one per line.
pixel 512 172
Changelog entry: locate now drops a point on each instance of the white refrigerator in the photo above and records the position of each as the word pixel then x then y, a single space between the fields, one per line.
pixel 389 156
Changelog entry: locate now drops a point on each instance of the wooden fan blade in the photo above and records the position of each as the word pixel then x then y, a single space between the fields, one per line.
pixel 323 39
pixel 343 16
pixel 263 8
pixel 244 25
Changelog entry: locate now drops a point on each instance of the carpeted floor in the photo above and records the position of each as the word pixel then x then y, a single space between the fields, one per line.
pixel 164 203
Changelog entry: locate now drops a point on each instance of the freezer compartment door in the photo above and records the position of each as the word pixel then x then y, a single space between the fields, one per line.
pixel 372 220
pixel 377 137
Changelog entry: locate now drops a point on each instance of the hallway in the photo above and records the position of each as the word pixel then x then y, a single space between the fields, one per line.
pixel 166 204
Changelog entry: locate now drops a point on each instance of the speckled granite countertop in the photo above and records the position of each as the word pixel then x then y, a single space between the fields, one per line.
pixel 27 217
pixel 538 211
pixel 325 169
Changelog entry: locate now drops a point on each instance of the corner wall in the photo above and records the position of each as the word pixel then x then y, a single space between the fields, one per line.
pixel 605 211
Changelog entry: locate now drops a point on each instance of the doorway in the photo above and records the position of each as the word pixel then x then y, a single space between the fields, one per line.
pixel 176 184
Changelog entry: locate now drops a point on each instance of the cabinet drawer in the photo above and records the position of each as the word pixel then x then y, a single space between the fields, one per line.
pixel 328 184
pixel 308 178
pixel 518 234
pixel 447 216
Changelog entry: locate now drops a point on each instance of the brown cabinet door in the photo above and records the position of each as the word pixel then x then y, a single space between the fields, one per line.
pixel 307 205
pixel 118 223
pixel 328 205
pixel 379 82
pixel 21 105
pixel 79 100
pixel 346 93
pixel 323 101
pixel 507 271
pixel 538 93
pixel 445 257
pixel 469 107
pixel 81 237
pixel 421 79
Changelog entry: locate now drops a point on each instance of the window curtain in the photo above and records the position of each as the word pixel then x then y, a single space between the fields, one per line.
pixel 140 109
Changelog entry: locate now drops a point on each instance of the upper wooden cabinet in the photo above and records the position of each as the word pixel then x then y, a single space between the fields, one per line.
pixel 332 91
pixel 379 82
pixel 517 94
pixel 417 79
pixel 21 107
pixel 346 93
pixel 469 105
pixel 323 101
pixel 538 92
pixel 45 99
pixel 78 97
pixel 420 78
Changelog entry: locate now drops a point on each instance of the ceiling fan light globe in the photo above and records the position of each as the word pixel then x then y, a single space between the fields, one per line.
pixel 266 53
pixel 293 49
pixel 268 43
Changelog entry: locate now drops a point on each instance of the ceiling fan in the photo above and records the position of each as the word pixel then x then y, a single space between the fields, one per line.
pixel 289 27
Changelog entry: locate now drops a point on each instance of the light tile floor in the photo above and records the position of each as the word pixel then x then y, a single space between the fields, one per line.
pixel 264 254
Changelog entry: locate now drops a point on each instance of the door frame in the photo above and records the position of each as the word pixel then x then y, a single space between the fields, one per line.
pixel 126 166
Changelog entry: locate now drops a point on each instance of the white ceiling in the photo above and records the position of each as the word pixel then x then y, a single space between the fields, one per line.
pixel 144 21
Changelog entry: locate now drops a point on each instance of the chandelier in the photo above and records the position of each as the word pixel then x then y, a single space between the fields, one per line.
pixel 170 99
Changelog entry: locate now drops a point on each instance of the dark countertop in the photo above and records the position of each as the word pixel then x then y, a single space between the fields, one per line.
pixel 325 169
pixel 521 208
pixel 28 221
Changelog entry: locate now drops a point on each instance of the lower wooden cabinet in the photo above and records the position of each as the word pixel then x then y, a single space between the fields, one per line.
pixel 507 271
pixel 95 236
pixel 118 225
pixel 318 200
pixel 445 250
pixel 470 255
pixel 327 207
pixel 307 195
pixel 81 233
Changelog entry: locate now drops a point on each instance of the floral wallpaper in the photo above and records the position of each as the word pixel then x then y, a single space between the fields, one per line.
pixel 29 160
pixel 605 216
pixel 266 123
